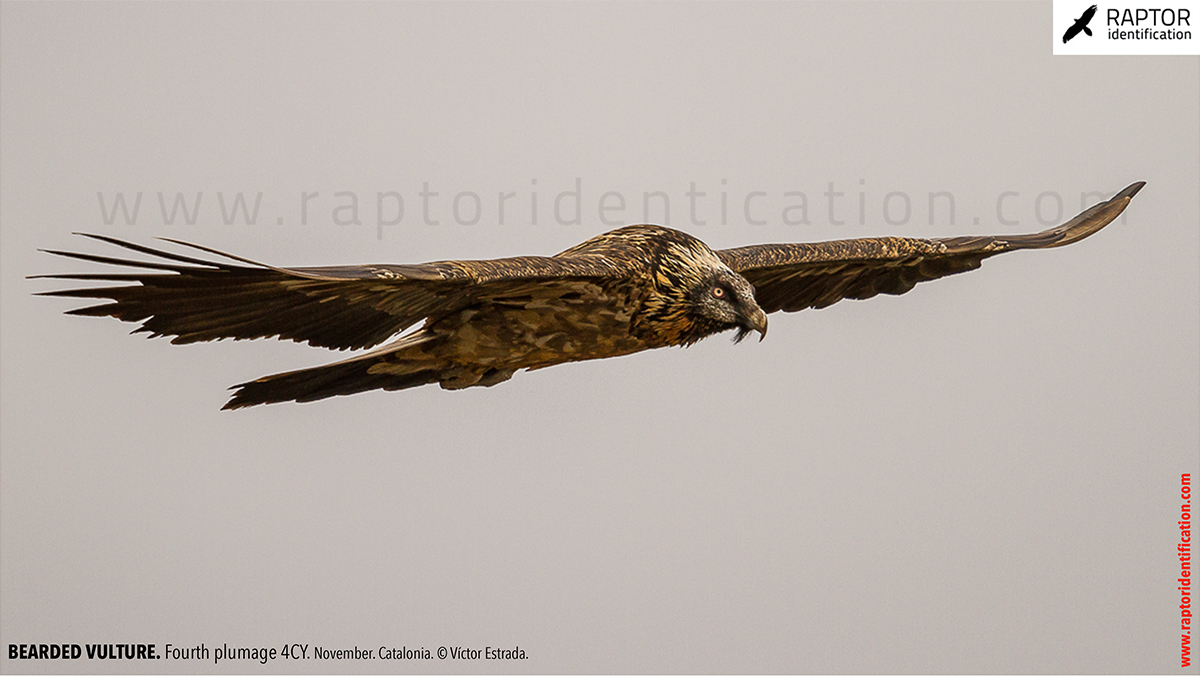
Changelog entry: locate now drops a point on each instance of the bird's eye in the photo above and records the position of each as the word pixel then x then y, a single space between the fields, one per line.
pixel 718 292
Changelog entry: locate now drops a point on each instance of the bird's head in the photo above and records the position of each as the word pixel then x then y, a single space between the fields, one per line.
pixel 695 294
pixel 726 298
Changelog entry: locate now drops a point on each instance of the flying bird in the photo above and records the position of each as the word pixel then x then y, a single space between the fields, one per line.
pixel 1081 24
pixel 635 288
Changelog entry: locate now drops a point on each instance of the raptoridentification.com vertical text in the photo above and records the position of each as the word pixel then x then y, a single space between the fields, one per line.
pixel 1185 570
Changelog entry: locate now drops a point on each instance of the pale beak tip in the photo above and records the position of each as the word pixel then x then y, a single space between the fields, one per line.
pixel 760 325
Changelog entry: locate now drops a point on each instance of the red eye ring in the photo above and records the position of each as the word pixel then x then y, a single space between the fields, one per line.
pixel 718 292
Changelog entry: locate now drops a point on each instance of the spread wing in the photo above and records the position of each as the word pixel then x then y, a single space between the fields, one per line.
pixel 793 277
pixel 340 307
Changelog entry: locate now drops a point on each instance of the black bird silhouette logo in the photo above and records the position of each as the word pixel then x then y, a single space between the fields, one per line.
pixel 1081 24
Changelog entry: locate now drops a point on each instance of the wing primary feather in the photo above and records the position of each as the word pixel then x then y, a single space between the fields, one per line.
pixel 125 262
pixel 167 254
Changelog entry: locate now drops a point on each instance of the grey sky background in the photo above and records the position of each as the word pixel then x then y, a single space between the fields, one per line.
pixel 979 476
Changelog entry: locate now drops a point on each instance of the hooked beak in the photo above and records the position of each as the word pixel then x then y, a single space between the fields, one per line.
pixel 757 321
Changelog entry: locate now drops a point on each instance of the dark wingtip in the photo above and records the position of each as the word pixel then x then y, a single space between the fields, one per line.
pixel 1090 221
pixel 239 398
pixel 1132 189
pixel 233 404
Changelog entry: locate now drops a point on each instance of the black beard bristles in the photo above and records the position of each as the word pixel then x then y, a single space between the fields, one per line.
pixel 742 332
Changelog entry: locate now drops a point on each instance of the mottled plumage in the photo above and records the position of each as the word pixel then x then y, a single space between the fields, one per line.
pixel 632 289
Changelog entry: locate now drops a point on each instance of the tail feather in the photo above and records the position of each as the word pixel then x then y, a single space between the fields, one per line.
pixel 340 378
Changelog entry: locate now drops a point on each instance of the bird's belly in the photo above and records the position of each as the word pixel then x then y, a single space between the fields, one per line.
pixel 532 333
